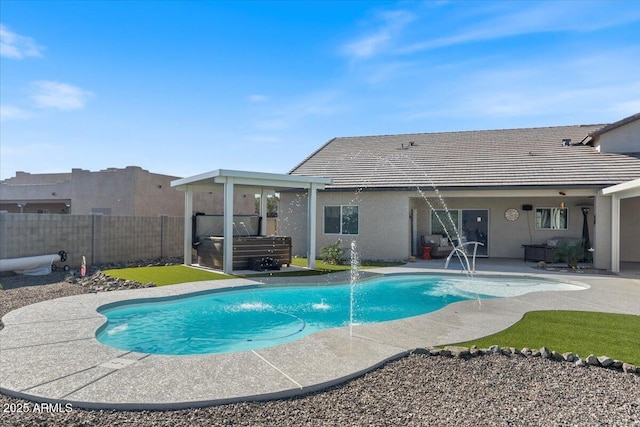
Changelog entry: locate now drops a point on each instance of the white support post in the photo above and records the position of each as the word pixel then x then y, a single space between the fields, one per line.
pixel 615 233
pixel 228 227
pixel 311 226
pixel 188 213
pixel 263 211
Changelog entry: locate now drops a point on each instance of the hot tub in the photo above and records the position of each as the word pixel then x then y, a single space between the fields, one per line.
pixel 210 250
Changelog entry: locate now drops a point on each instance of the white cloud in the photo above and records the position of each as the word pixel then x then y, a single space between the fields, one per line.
pixel 318 104
pixel 15 46
pixel 60 96
pixel 541 17
pixel 545 89
pixel 10 112
pixel 257 98
pixel 378 40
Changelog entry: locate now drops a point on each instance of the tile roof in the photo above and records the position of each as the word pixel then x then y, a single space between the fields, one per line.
pixel 530 157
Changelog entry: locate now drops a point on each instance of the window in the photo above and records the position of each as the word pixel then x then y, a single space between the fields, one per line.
pixel 341 219
pixel 552 218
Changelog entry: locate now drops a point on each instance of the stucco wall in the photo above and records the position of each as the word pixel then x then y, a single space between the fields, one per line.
pixel 602 242
pixel 630 229
pixel 131 191
pixel 385 225
pixel 624 139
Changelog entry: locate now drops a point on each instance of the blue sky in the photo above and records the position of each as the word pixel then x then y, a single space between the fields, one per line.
pixel 184 87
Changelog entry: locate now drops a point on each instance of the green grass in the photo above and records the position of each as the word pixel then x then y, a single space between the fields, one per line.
pixel 173 274
pixel 584 333
pixel 165 275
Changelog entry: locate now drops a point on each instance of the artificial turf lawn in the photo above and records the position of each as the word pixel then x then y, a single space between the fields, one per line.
pixel 579 332
pixel 165 275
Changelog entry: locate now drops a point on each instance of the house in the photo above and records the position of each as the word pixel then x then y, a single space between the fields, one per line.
pixel 131 191
pixel 503 188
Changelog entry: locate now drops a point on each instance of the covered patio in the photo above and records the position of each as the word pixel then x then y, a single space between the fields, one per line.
pixel 626 190
pixel 257 183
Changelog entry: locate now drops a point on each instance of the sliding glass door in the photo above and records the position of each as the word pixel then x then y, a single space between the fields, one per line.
pixel 472 225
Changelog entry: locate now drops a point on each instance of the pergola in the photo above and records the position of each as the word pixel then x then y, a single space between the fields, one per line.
pixel 257 182
pixel 625 190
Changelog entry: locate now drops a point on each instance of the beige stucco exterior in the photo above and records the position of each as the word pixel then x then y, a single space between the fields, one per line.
pixel 630 230
pixel 131 191
pixel 622 139
pixel 385 223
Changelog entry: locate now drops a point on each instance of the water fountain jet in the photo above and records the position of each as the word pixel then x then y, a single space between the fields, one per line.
pixel 354 277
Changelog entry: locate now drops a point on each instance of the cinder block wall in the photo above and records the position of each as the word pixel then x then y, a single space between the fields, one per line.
pixel 101 239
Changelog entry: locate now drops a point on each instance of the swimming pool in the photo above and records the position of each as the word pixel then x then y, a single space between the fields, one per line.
pixel 248 319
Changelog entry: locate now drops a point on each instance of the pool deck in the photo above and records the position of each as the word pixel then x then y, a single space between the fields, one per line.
pixel 48 350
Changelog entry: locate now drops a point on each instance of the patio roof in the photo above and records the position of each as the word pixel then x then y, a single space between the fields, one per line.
pixel 624 190
pixel 273 181
pixel 258 182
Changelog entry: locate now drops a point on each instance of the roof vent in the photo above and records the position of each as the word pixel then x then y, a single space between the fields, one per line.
pixel 566 142
pixel 408 145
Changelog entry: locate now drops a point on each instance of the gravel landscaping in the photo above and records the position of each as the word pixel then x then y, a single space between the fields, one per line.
pixel 417 390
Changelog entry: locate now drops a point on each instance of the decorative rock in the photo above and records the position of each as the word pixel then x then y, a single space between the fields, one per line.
pixel 605 361
pixel 434 351
pixel 445 352
pixel 592 360
pixel 474 351
pixel 494 349
pixel 579 362
pixel 556 356
pixel 629 368
pixel 459 352
pixel 568 356
pixel 100 282
pixel 617 364
pixel 535 353
pixel 545 352
pixel 526 351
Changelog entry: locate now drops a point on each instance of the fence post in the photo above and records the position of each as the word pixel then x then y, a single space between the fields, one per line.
pixel 4 241
pixel 163 219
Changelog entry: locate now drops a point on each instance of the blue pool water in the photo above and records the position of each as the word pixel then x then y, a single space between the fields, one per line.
pixel 247 319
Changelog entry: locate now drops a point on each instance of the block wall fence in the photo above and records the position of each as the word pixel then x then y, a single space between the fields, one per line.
pixel 100 238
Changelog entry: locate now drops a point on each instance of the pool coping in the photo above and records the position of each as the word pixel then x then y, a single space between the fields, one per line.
pixel 48 350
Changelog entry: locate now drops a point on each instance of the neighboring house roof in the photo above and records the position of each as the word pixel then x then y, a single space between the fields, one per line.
pixel 530 157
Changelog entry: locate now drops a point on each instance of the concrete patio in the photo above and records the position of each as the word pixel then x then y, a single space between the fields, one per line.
pixel 48 350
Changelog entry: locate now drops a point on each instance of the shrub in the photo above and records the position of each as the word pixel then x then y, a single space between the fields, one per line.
pixel 570 253
pixel 333 254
